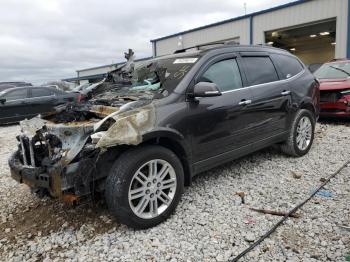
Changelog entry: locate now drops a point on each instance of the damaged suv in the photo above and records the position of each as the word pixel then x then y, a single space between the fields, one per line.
pixel 146 130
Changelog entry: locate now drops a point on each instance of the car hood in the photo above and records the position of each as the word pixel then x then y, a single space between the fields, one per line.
pixel 72 127
pixel 334 84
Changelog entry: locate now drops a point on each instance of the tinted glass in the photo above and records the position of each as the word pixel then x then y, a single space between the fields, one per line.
pixel 38 92
pixel 16 94
pixel 289 66
pixel 333 71
pixel 225 74
pixel 260 70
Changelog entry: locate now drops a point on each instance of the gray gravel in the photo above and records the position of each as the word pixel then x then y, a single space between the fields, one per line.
pixel 210 224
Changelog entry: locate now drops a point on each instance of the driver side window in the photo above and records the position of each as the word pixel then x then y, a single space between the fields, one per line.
pixel 225 74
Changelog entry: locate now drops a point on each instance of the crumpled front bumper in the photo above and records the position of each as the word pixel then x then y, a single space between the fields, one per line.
pixel 32 176
pixel 55 179
pixel 335 109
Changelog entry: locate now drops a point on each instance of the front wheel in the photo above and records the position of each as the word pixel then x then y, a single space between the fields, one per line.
pixel 301 135
pixel 144 186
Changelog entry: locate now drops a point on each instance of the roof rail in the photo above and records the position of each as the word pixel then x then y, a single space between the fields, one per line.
pixel 231 42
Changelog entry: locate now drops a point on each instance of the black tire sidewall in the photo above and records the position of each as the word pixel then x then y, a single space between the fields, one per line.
pixel 119 179
pixel 302 114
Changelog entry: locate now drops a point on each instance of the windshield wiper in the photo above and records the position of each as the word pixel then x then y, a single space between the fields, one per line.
pixel 341 70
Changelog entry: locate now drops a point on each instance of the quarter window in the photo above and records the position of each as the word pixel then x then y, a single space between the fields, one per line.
pixel 225 74
pixel 260 70
pixel 16 94
pixel 288 66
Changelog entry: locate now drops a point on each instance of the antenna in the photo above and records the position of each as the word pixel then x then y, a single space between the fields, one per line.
pixel 245 8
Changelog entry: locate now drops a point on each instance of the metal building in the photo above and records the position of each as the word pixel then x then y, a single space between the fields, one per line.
pixel 95 74
pixel 315 30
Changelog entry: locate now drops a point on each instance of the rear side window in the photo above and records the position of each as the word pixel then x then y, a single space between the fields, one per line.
pixel 225 74
pixel 38 92
pixel 16 94
pixel 259 70
pixel 288 66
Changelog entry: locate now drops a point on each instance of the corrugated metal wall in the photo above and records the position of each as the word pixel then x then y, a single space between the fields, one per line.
pixel 305 13
pixel 95 71
pixel 310 11
pixel 232 30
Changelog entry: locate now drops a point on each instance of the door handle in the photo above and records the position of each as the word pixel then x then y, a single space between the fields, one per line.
pixel 245 102
pixel 285 93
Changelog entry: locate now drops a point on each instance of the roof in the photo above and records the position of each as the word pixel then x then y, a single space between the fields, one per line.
pixel 234 19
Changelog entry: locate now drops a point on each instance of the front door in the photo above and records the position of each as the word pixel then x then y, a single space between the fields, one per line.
pixel 219 125
pixel 15 107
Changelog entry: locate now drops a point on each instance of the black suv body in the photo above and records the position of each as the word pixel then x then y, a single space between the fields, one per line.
pixel 189 112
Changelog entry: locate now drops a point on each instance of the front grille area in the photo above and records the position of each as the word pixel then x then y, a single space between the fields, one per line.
pixel 39 150
pixel 27 151
pixel 330 110
pixel 330 96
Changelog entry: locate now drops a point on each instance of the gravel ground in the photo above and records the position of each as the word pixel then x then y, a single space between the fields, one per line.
pixel 210 224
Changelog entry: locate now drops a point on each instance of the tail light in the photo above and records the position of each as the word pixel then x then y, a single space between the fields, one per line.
pixel 79 98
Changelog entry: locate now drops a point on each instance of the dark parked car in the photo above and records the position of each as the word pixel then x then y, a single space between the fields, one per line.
pixel 147 130
pixel 26 102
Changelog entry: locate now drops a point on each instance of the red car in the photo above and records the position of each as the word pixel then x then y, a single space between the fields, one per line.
pixel 334 78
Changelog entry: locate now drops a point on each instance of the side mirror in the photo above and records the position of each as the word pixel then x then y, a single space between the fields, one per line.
pixel 206 89
pixel 2 100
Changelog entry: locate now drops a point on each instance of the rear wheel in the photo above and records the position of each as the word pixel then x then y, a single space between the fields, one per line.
pixel 301 135
pixel 144 186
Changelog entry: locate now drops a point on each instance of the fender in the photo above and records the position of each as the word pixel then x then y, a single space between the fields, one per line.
pixel 176 137
pixel 165 132
pixel 308 102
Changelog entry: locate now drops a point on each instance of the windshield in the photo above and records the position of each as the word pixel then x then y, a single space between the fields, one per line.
pixel 333 71
pixel 158 74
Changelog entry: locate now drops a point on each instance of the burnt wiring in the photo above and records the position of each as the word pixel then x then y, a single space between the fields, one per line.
pixel 292 211
pixel 93 186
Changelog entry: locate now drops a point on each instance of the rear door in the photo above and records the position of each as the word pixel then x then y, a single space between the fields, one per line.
pixel 16 106
pixel 271 97
pixel 42 100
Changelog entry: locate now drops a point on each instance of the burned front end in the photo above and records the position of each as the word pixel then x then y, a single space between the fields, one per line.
pixel 69 152
pixel 68 158
pixel 55 157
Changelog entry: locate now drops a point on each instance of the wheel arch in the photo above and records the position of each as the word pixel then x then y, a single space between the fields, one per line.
pixel 308 105
pixel 175 142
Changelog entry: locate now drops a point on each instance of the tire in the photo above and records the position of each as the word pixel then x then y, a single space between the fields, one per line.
pixel 291 146
pixel 125 179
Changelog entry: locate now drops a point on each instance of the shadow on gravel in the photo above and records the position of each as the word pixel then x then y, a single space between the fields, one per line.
pixel 47 216
pixel 334 121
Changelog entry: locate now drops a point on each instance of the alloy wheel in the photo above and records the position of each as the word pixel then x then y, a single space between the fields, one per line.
pixel 152 188
pixel 304 133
